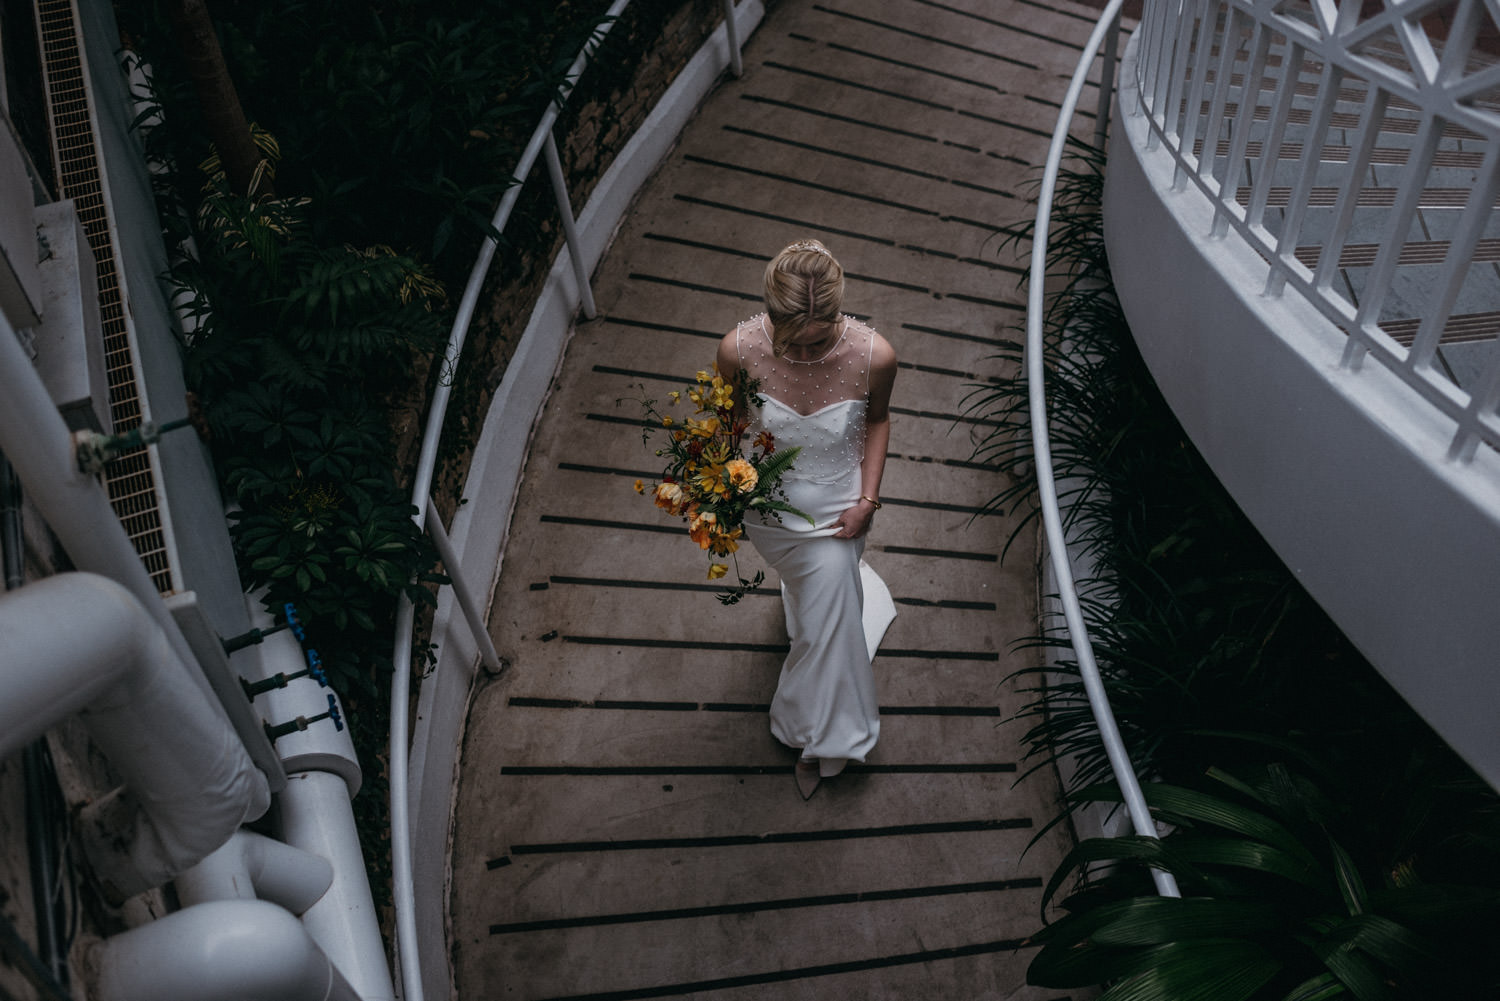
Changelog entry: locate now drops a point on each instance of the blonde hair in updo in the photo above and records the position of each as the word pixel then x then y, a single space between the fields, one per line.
pixel 804 284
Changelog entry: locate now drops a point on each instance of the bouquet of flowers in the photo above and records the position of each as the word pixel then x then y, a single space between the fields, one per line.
pixel 710 481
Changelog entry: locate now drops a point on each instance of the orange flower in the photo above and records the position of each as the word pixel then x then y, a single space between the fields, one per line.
pixel 640 487
pixel 742 475
pixel 701 528
pixel 766 442
pixel 670 498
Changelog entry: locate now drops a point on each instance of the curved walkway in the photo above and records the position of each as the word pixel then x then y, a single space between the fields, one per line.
pixel 626 826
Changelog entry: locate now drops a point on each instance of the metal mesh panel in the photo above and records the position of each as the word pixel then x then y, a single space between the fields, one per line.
pixel 131 479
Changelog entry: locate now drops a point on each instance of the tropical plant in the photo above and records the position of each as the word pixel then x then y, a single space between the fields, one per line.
pixel 1217 663
pixel 1283 900
pixel 294 347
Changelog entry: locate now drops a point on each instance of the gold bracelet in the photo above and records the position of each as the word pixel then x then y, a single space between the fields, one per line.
pixel 872 500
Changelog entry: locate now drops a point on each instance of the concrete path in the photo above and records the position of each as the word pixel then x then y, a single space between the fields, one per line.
pixel 627 827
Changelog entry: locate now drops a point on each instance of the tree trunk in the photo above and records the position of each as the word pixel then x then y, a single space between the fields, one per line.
pixel 217 100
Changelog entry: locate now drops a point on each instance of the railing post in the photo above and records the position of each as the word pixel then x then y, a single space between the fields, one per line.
pixel 1106 85
pixel 472 614
pixel 736 64
pixel 570 229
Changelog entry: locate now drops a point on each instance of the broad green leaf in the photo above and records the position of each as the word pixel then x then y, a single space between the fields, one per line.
pixel 1245 854
pixel 1160 920
pixel 1319 988
pixel 1356 973
pixel 1199 971
pixel 1346 873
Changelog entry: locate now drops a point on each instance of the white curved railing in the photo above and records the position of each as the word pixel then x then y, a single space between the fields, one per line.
pixel 1408 101
pixel 1052 520
pixel 542 142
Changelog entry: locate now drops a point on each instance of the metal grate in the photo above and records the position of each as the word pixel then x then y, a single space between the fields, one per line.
pixel 131 480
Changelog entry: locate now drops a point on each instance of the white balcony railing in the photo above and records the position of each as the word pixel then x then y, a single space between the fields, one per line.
pixel 1354 147
pixel 1294 187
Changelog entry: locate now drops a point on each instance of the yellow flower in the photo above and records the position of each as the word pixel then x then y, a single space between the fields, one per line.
pixel 742 475
pixel 723 543
pixel 674 396
pixel 710 480
pixel 722 397
pixel 705 376
pixel 717 570
pixel 667 421
pixel 640 487
pixel 706 428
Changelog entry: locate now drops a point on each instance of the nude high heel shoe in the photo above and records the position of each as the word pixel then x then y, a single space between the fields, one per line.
pixel 806 774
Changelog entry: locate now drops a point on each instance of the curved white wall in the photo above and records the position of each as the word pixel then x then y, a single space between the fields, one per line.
pixel 1342 471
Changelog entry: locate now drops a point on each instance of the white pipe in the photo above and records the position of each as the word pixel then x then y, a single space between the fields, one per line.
pixel 1104 717
pixel 254 867
pixel 316 817
pixel 228 950
pixel 40 447
pixel 78 643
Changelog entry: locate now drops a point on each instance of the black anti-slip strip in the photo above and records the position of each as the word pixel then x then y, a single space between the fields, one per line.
pixel 646 705
pixel 637 373
pixel 979 512
pixel 657 643
pixel 647 325
pixel 693 286
pixel 1002 24
pixel 926 38
pixel 761 259
pixel 802 973
pixel 657 585
pixel 832 189
pixel 967 606
pixel 789 106
pixel 956 335
pixel 942 554
pixel 616 419
pixel 982 467
pixel 579 467
pixel 756 906
pixel 843 81
pixel 637 771
pixel 618 526
pixel 922 68
pixel 952 373
pixel 840 154
pixel 985 655
pixel 666 644
pixel 777 837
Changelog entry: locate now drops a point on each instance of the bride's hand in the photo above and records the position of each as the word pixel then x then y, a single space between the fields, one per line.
pixel 855 521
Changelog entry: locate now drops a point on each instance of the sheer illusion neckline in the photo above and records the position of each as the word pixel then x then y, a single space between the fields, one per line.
pixel 843 332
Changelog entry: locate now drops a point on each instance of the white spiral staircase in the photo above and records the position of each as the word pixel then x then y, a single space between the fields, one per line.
pixel 1299 210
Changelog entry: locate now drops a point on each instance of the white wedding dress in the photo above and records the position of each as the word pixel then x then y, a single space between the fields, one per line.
pixel 837 608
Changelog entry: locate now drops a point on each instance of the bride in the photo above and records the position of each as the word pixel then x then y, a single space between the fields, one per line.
pixel 825 383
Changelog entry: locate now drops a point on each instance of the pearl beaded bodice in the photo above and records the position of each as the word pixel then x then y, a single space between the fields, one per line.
pixel 816 405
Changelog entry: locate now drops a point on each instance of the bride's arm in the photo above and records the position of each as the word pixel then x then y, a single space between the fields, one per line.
pixel 855 521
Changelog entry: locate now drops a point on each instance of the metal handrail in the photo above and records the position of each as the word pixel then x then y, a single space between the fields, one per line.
pixel 1193 55
pixel 542 143
pixel 1057 545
